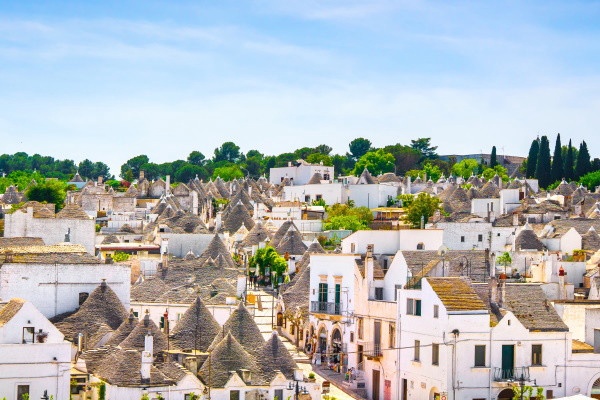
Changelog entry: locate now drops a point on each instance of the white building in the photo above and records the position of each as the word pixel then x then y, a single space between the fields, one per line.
pixel 300 173
pixel 58 278
pixel 34 357
pixel 71 224
pixel 389 242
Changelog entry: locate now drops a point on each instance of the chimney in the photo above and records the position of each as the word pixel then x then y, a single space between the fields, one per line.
pixel 191 364
pixel 493 286
pixel 194 202
pixel 147 318
pixel 515 219
pixel 100 180
pixel 561 284
pixel 502 293
pixel 369 270
pixel 168 185
pixel 103 286
pixel 147 358
pixel 142 177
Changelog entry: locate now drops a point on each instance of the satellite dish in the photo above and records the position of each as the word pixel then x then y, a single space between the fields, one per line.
pixel 443 250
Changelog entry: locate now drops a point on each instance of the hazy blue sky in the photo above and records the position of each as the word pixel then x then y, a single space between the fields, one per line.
pixel 108 80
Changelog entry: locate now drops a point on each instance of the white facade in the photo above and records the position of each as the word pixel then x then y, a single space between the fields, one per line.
pixel 300 174
pixel 389 242
pixel 331 193
pixel 55 288
pixel 51 230
pixel 371 196
pixel 476 235
pixel 29 365
pixel 221 313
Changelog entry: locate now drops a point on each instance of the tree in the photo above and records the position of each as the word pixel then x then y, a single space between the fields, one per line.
pixel 465 168
pixel 590 180
pixel 569 169
pixel 505 259
pixel 49 191
pixel 499 170
pixel 429 171
pixel 100 169
pixel 228 151
pixel 558 167
pixel 534 150
pixel 189 171
pixel 317 158
pixel 267 258
pixel 133 165
pixel 359 147
pixel 422 206
pixel 377 162
pixel 543 167
pixel 345 216
pixel 323 149
pixel 85 168
pixel 583 164
pixel 351 222
pixel 196 158
pixel 423 146
pixel 228 173
pixel 493 160
pixel 406 158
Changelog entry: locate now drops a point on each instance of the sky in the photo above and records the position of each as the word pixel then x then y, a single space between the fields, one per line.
pixel 109 80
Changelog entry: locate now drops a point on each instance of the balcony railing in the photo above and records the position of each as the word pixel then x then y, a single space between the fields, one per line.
pixel 371 350
pixel 326 308
pixel 511 374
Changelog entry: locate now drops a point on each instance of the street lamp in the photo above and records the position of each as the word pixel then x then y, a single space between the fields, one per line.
pixel 45 395
pixel 522 381
pixel 298 377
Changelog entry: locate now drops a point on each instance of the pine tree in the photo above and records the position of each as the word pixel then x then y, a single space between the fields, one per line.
pixel 543 166
pixel 583 165
pixel 532 158
pixel 558 168
pixel 493 160
pixel 570 164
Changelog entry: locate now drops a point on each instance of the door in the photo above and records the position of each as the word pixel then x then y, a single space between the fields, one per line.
pixel 323 289
pixel 375 392
pixel 387 390
pixel 338 298
pixel 404 389
pixel 508 361
pixel 359 354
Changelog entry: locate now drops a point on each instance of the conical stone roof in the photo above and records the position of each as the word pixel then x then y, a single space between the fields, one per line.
pixel 241 325
pixel 137 338
pixel 196 329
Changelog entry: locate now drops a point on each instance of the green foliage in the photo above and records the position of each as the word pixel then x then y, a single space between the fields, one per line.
pixel 532 158
pixel 465 167
pixel 377 162
pixel 92 170
pixel 131 169
pixel 145 397
pixel 405 157
pixel 25 396
pixel 405 200
pixel 102 391
pixel 424 206
pixel 196 158
pixel 583 164
pixel 543 167
pixel 351 222
pixel 590 180
pixel 359 147
pixel 504 259
pixel 493 159
pixel 499 170
pixel 20 179
pixel 319 202
pixel 558 165
pixel 424 147
pixel 429 171
pixel 120 256
pixel 228 173
pixel 228 151
pixel 194 396
pixel 527 393
pixel 50 191
pixel 317 158
pixel 267 257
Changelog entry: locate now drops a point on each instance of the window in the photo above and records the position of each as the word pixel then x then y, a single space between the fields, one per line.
pixel 83 297
pixel 420 246
pixel 436 311
pixel 28 334
pixel 319 197
pixel 307 198
pixel 234 395
pixel 278 394
pixel 435 354
pixel 351 337
pixel 323 289
pixel 392 335
pixel 378 293
pixel 480 355
pixel 536 354
pixel 462 239
pixel 417 351
pixel 413 307
pixel 480 238
pixel 360 323
pixel 22 391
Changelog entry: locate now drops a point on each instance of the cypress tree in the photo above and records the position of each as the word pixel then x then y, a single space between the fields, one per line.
pixel 583 165
pixel 543 167
pixel 532 158
pixel 570 164
pixel 493 160
pixel 558 168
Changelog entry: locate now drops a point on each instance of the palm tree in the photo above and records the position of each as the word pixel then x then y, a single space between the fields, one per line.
pixel 505 259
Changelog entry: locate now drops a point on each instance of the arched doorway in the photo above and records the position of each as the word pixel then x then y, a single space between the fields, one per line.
pixel 336 348
pixel 595 392
pixel 506 394
pixel 434 394
pixel 322 340
pixel 279 319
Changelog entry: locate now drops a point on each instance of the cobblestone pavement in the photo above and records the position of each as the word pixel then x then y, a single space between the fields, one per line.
pixel 264 319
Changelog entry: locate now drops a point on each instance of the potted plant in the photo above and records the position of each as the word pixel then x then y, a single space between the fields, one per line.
pixel 41 336
pixel 312 377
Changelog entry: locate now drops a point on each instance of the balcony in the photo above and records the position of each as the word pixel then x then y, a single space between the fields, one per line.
pixel 511 374
pixel 326 308
pixel 372 350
